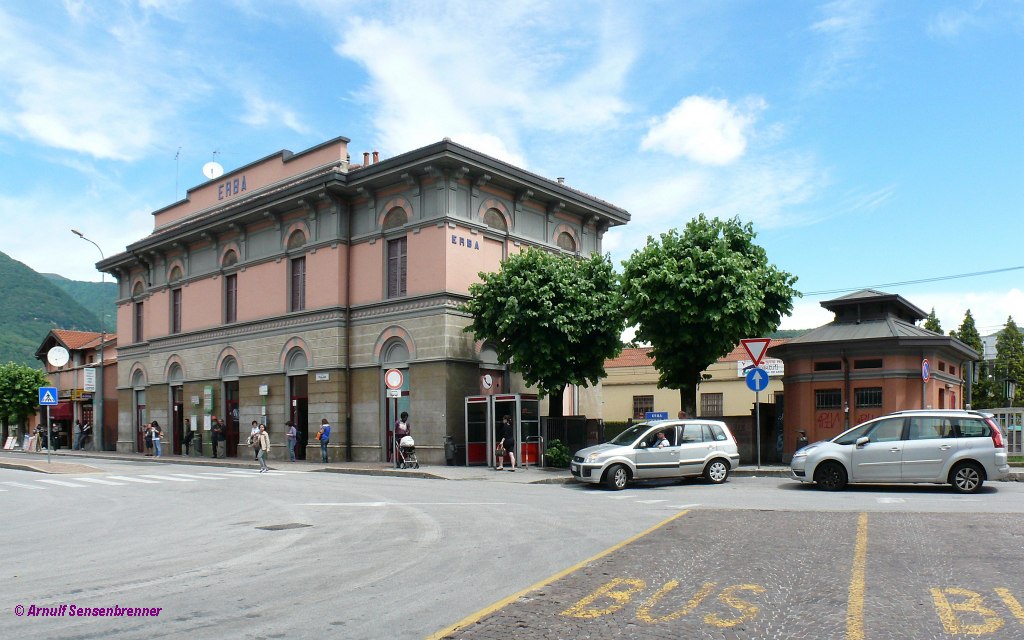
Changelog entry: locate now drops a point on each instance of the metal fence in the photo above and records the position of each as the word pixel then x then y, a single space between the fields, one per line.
pixel 1010 421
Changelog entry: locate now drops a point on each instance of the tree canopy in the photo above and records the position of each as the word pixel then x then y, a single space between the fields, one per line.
pixel 694 295
pixel 1010 363
pixel 932 323
pixel 552 318
pixel 19 391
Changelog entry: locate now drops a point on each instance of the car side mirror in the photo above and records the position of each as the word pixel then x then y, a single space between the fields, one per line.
pixel 863 440
pixel 642 445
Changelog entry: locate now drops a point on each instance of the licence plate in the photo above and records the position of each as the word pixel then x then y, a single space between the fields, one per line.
pixel 574 468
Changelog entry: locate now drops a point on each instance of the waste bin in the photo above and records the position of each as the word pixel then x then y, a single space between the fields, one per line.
pixel 449 451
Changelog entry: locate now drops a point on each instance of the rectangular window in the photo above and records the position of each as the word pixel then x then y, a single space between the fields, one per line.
pixel 711 404
pixel 298 299
pixel 873 363
pixel 641 405
pixel 868 397
pixel 137 332
pixel 831 365
pixel 176 311
pixel 397 250
pixel 827 399
pixel 231 298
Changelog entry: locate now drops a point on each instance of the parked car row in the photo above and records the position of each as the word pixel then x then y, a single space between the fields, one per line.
pixel 961 448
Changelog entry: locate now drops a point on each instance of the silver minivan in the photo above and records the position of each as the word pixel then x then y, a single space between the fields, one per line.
pixel 660 449
pixel 959 447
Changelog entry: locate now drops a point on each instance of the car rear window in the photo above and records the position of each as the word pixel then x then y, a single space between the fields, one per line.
pixel 718 432
pixel 972 428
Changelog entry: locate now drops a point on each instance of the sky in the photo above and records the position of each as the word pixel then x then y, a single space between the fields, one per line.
pixel 870 144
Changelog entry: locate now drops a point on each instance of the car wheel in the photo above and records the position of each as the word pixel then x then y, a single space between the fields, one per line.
pixel 830 476
pixel 717 471
pixel 966 477
pixel 617 477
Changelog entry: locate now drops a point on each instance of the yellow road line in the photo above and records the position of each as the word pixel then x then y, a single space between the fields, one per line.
pixel 855 600
pixel 500 604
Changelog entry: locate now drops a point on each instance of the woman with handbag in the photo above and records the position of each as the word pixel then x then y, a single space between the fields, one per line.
pixel 506 445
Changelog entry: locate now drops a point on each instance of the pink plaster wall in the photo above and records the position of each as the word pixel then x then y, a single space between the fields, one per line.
pixel 263 290
pixel 368 265
pixel 325 278
pixel 202 301
pixel 268 172
pixel 464 263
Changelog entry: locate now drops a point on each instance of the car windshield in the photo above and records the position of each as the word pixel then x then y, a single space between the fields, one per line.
pixel 630 434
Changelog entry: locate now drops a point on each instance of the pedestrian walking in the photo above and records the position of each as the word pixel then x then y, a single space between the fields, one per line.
pixel 293 436
pixel 508 443
pixel 157 434
pixel 216 434
pixel 263 442
pixel 79 436
pixel 55 436
pixel 401 430
pixel 324 436
pixel 186 438
pixel 147 438
pixel 254 433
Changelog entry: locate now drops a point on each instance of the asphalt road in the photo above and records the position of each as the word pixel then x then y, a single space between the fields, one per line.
pixel 232 553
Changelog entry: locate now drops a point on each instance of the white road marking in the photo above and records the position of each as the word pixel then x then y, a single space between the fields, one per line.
pixel 226 476
pixel 133 479
pixel 686 506
pixel 171 478
pixel 622 496
pixel 100 481
pixel 651 501
pixel 891 500
pixel 62 483
pixel 400 504
pixel 25 486
pixel 208 477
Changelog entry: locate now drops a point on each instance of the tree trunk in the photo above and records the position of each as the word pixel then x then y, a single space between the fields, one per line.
pixel 688 401
pixel 555 404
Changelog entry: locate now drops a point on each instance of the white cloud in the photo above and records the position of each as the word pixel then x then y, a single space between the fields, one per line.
pixel 846 27
pixel 705 130
pixel 951 22
pixel 487 72
pixel 260 112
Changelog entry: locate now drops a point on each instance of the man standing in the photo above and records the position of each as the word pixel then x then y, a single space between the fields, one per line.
pixel 293 435
pixel 325 437
pixel 217 432
pixel 254 440
pixel 186 438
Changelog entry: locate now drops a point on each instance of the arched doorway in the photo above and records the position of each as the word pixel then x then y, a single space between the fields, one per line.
pixel 297 370
pixel 139 396
pixel 394 355
pixel 175 379
pixel 232 418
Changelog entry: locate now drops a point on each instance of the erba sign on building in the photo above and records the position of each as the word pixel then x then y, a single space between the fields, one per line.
pixel 773 366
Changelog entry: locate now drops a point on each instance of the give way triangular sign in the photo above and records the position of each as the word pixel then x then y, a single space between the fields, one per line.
pixel 756 348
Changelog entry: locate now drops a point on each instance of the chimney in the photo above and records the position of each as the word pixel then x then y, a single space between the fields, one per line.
pixel 366 158
pixel 376 157
pixel 561 180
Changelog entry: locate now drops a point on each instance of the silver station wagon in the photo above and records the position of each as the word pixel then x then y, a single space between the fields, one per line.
pixel 958 447
pixel 661 449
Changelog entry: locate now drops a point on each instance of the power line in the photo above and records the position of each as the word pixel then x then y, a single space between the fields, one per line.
pixel 825 292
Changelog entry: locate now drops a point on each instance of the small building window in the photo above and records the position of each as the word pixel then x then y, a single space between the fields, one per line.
pixel 397 267
pixel 494 220
pixel 231 298
pixel 827 399
pixel 175 274
pixel 829 365
pixel 641 405
pixel 296 240
pixel 176 311
pixel 298 282
pixel 566 241
pixel 711 404
pixel 868 397
pixel 137 327
pixel 395 219
pixel 230 259
pixel 873 363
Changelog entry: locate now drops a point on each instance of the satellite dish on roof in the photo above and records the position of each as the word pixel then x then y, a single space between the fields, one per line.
pixel 213 170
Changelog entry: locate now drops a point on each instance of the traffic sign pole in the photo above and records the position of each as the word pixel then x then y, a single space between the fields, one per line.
pixel 757 427
pixel 49 435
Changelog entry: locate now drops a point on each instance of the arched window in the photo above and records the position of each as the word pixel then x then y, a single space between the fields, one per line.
pixel 175 378
pixel 566 241
pixel 395 352
pixel 396 218
pixel 296 362
pixel 494 220
pixel 175 274
pixel 138 329
pixel 296 240
pixel 230 259
pixel 229 369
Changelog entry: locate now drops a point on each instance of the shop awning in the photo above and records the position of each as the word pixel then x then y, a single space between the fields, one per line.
pixel 62 411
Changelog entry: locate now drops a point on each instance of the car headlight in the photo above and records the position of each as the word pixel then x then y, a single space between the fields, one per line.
pixel 594 457
pixel 802 455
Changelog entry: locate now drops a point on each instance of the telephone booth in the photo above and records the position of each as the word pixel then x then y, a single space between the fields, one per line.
pixel 484 415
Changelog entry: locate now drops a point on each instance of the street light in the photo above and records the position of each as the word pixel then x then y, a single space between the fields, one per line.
pixel 98 418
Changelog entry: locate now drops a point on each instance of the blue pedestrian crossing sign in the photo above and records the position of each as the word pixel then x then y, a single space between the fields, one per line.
pixel 757 379
pixel 47 396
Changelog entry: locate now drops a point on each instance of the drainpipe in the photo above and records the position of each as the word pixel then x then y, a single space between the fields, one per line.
pixel 846 390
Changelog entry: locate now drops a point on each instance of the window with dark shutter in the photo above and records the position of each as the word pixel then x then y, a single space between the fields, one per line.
pixel 298 300
pixel 176 311
pixel 231 298
pixel 397 267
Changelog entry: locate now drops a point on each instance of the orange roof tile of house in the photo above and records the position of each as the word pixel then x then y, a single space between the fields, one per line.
pixel 640 356
pixel 76 339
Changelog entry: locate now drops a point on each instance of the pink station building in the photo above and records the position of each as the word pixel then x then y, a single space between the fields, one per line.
pixel 285 289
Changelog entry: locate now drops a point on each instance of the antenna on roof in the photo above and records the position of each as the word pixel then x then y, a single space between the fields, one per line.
pixel 213 169
pixel 177 154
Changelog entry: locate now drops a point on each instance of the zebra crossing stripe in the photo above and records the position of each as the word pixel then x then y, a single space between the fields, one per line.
pixel 62 483
pixel 171 478
pixel 100 481
pixel 25 486
pixel 187 475
pixel 133 479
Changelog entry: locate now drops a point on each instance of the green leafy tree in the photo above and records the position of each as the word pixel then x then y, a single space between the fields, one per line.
pixel 1010 362
pixel 19 393
pixel 981 387
pixel 694 296
pixel 932 323
pixel 552 318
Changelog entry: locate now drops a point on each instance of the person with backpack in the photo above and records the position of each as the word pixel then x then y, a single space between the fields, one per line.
pixel 324 436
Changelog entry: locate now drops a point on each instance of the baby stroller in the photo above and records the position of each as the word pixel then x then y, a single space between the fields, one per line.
pixel 405 455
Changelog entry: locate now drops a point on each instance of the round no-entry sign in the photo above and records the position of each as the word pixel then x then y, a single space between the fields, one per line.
pixel 924 370
pixel 393 378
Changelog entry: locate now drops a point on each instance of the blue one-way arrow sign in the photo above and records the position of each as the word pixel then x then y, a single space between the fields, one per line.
pixel 47 396
pixel 757 379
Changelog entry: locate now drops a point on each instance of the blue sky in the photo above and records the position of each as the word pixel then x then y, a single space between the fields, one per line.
pixel 869 143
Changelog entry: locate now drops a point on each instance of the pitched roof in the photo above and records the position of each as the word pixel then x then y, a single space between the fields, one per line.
pixel 76 339
pixel 640 356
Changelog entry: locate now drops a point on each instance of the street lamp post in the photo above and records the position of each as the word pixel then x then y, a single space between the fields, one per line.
pixel 98 404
